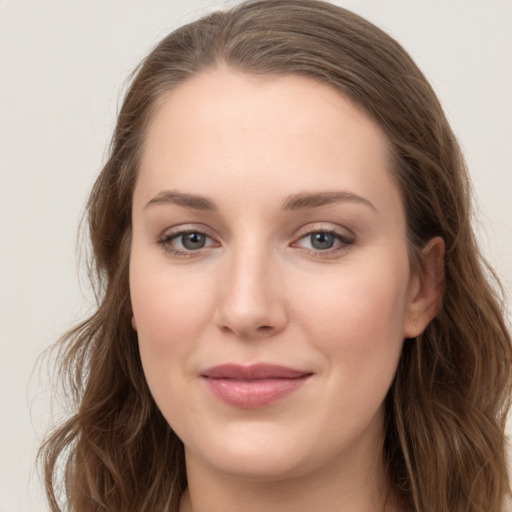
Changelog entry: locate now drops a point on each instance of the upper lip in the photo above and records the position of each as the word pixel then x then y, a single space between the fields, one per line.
pixel 257 371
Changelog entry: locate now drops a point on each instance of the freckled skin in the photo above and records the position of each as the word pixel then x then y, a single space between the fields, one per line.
pixel 259 291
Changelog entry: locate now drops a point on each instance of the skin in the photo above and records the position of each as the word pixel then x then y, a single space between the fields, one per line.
pixel 260 289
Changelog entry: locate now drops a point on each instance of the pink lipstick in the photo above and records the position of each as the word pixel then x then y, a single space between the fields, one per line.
pixel 253 386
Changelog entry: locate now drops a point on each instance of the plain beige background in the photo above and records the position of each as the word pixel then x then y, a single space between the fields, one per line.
pixel 63 66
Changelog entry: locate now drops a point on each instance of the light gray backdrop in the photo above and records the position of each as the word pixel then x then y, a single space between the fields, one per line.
pixel 62 68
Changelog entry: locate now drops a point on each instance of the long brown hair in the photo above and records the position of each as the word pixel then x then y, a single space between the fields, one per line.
pixel 446 410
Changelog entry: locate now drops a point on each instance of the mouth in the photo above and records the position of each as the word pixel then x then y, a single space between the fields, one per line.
pixel 255 385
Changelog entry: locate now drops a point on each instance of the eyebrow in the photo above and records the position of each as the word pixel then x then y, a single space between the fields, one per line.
pixel 304 201
pixel 190 201
pixel 300 201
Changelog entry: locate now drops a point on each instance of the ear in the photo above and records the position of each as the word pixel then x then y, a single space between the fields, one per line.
pixel 134 323
pixel 426 289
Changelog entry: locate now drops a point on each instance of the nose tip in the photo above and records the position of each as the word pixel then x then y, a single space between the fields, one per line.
pixel 247 328
pixel 246 325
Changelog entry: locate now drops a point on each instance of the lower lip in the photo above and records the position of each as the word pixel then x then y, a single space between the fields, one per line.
pixel 250 394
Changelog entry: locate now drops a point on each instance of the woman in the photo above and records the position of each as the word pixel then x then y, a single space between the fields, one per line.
pixel 293 312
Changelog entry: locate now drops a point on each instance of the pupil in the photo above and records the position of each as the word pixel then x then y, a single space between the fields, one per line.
pixel 322 240
pixel 193 241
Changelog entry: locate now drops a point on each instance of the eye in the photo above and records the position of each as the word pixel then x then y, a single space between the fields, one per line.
pixel 191 241
pixel 186 242
pixel 324 241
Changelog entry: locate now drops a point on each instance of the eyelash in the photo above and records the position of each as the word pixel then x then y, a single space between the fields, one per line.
pixel 344 242
pixel 166 242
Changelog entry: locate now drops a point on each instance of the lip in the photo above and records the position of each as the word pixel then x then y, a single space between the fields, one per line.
pixel 253 386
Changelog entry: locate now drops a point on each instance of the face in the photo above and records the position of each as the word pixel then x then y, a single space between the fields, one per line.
pixel 269 274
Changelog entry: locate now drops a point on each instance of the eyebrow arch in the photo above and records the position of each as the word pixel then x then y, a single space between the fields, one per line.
pixel 191 201
pixel 300 201
pixel 305 200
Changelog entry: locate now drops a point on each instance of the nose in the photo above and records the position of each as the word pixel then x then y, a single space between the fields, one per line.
pixel 251 303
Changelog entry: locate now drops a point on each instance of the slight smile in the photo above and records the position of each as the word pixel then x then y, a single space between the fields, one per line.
pixel 253 386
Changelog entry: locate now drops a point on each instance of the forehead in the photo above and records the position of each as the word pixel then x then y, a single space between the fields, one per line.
pixel 262 133
pixel 215 99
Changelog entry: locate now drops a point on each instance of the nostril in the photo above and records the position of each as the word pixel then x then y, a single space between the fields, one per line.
pixel 262 330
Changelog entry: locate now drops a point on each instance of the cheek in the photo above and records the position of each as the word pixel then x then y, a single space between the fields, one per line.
pixel 357 320
pixel 170 310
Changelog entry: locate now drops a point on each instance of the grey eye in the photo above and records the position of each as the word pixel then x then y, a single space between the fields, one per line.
pixel 322 240
pixel 193 240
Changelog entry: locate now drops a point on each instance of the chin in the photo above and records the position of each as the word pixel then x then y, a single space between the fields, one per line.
pixel 261 467
pixel 259 453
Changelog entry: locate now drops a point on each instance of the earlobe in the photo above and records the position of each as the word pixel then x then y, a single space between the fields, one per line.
pixel 134 323
pixel 427 293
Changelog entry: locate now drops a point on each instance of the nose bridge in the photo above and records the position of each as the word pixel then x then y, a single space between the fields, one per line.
pixel 251 274
pixel 251 303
